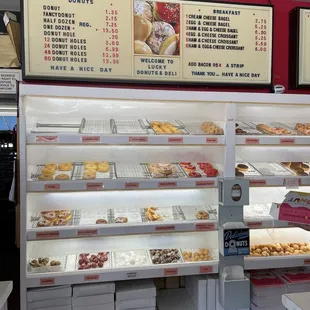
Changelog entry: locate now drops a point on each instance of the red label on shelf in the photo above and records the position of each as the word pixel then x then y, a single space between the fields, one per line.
pixel 258 182
pixel 47 235
pixel 138 139
pixel 171 272
pixel 306 261
pixel 206 269
pixel 205 183
pixel 93 277
pixel 251 140
pixel 287 141
pixel 177 140
pixel 167 184
pixel 165 228
pixel 47 139
pixel 132 185
pixel 90 139
pixel 87 232
pixel 254 224
pixel 211 140
pixel 94 186
pixel 47 281
pixel 52 187
pixel 205 226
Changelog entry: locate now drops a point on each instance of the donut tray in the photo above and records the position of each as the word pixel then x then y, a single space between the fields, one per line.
pixel 252 172
pixel 128 171
pixel 136 258
pixel 193 128
pixel 293 125
pixel 176 123
pixel 78 170
pixel 166 214
pixel 249 128
pixel 292 171
pixel 60 268
pixel 278 125
pixel 198 170
pixel 130 127
pixel 181 260
pixel 178 172
pixel 38 171
pixel 56 128
pixel 133 215
pixel 107 264
pixel 271 169
pixel 96 126
pixel 184 251
pixel 90 218
pixel 189 212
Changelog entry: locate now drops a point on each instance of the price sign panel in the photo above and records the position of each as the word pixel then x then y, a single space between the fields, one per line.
pixel 300 48
pixel 139 40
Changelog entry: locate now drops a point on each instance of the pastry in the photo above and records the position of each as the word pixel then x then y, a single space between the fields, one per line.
pixel 165 168
pixel 101 221
pixel 130 259
pixel 239 174
pixel 164 128
pixel 142 48
pixel 144 9
pixel 104 167
pixel 60 222
pixel 208 169
pixel 91 167
pixel 48 171
pixel 44 223
pixel 62 176
pixel 55 263
pixel 168 12
pixel 151 214
pixel 90 163
pixel 194 175
pixel 211 129
pixel 189 168
pixel 165 256
pixel 195 256
pixel 65 167
pixel 49 215
pixel 183 164
pixel 269 130
pixel 303 129
pixel 89 175
pixel 121 219
pixel 286 164
pixel 143 28
pixel 169 46
pixel 242 167
pixel 53 166
pixel 202 215
pixel 64 215
pixel 92 261
pixel 43 177
pixel 305 167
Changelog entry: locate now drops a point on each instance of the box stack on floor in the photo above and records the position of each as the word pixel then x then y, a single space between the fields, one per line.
pixel 93 296
pixel 50 298
pixel 135 295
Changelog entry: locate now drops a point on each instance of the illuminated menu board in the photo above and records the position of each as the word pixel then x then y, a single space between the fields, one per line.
pixel 137 40
pixel 300 48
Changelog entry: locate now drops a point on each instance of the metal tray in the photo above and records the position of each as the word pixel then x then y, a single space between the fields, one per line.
pixel 90 126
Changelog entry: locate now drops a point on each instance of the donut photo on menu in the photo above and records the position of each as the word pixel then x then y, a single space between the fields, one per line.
pixel 156 28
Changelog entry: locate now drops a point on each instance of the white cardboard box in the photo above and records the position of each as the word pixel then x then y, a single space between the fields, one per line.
pixel 135 304
pixel 266 301
pixel 57 308
pixel 93 300
pixel 174 299
pixel 49 293
pixel 211 292
pixel 95 307
pixel 81 290
pixel 136 289
pixel 196 287
pixel 254 307
pixel 49 303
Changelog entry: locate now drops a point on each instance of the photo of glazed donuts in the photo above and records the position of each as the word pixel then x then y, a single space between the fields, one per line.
pixel 156 28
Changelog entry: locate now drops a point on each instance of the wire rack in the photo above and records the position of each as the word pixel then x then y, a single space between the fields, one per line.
pixel 277 125
pixel 128 171
pixel 177 172
pixel 189 212
pixel 38 171
pixel 78 171
pixel 249 128
pixel 252 172
pixel 176 123
pixel 96 126
pixel 129 127
pixel 166 213
pixel 271 169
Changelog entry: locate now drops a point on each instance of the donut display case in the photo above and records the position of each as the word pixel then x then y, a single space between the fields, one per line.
pixel 117 183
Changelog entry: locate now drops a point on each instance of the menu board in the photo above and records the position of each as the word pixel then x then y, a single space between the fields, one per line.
pixel 138 40
pixel 300 48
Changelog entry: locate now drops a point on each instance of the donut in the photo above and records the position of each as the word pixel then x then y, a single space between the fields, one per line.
pixel 44 177
pixel 53 166
pixel 202 215
pixel 157 175
pixel 168 12
pixel 89 174
pixel 183 164
pixel 65 167
pixel 91 167
pixel 153 167
pixel 143 28
pixel 165 168
pixel 143 9
pixel 44 223
pixel 161 31
pixel 104 167
pixel 62 176
pixel 60 222
pixel 305 167
pixel 142 48
pixel 49 215
pixel 286 164
pixel 121 219
pixel 242 167
pixel 101 221
pixel 64 215
pixel 189 168
pixel 194 175
pixel 48 171
pixel 90 163
pixel 170 47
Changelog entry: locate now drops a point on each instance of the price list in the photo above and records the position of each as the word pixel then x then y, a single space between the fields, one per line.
pixel 261 35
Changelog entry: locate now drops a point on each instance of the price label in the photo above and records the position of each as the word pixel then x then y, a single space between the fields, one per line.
pixel 258 182
pixel 287 141
pixel 167 184
pixel 87 232
pixel 132 185
pixel 171 272
pixel 90 139
pixel 131 275
pixel 47 139
pixel 175 140
pixel 47 281
pixel 206 269
pixel 205 226
pixel 255 224
pixel 93 277
pixel 252 141
pixel 306 261
pixel 138 139
pixel 165 228
pixel 47 235
pixel 292 183
pixel 52 187
pixel 94 186
pixel 205 183
pixel 211 140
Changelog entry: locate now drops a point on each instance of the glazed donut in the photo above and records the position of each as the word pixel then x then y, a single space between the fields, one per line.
pixel 104 167
pixel 101 221
pixel 165 168
pixel 62 176
pixel 65 167
pixel 49 215
pixel 143 28
pixel 44 223
pixel 89 174
pixel 121 219
pixel 143 9
pixel 44 177
pixel 48 171
pixel 90 163
pixel 53 166
pixel 142 48
pixel 202 215
pixel 153 167
pixel 60 222
pixel 64 215
pixel 91 167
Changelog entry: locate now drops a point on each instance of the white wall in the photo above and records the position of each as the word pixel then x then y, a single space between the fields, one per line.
pixel 13 5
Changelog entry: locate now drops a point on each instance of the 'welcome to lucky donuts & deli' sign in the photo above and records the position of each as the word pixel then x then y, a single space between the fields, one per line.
pixel 139 40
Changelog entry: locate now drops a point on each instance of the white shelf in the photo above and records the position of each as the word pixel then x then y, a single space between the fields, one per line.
pixel 287 181
pixel 272 140
pixel 297 301
pixel 61 138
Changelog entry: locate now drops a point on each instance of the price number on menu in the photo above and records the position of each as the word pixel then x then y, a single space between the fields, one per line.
pixel 260 31
pixel 111 31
